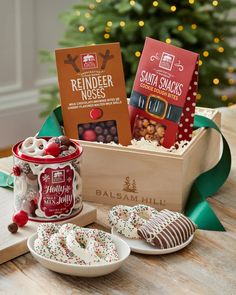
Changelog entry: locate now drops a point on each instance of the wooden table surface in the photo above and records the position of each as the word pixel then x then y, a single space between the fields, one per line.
pixel 206 266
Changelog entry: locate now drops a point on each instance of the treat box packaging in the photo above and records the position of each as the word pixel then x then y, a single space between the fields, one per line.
pixel 119 175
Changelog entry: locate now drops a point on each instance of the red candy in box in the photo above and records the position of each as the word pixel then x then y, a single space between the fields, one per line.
pixel 162 102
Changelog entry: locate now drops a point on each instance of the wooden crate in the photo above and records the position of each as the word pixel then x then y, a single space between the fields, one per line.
pixel 157 179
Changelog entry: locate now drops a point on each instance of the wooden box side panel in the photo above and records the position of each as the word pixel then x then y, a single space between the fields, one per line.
pixel 203 155
pixel 118 177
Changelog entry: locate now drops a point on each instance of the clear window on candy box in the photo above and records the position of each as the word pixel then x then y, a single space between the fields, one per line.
pixel 148 129
pixel 105 131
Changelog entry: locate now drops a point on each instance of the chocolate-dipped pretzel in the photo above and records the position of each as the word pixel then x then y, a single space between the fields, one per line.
pixel 166 230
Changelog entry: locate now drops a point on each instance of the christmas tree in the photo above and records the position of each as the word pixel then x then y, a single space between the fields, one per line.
pixel 197 25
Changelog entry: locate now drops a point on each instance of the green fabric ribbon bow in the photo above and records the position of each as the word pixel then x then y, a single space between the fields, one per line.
pixel 6 180
pixel 206 184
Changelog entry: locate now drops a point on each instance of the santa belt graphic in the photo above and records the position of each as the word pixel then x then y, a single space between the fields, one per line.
pixel 156 106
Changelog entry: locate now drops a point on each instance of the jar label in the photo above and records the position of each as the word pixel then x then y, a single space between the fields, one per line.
pixel 56 191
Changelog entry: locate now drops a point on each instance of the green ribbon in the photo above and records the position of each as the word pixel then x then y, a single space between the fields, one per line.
pixel 52 125
pixel 6 180
pixel 205 185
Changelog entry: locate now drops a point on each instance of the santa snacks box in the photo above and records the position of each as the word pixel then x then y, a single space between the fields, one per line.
pixel 162 102
pixel 130 176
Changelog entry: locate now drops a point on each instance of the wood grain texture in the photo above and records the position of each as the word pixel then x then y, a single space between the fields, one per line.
pixel 149 170
pixel 206 267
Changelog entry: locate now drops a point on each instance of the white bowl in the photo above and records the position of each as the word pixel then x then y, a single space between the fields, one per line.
pixel 83 270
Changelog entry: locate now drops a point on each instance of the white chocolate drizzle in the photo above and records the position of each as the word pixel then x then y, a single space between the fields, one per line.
pixel 168 229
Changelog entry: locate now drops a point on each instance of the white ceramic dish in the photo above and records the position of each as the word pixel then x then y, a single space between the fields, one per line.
pixel 82 270
pixel 142 247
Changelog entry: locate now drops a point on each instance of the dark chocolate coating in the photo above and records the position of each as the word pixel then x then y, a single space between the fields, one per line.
pixel 101 138
pixel 81 130
pixel 109 123
pixel 105 131
pixel 113 130
pixel 116 139
pixel 169 229
pixel 13 228
pixel 98 129
pixel 102 124
pixel 86 126
pixel 109 138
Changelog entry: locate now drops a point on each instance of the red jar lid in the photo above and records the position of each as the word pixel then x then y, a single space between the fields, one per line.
pixel 74 143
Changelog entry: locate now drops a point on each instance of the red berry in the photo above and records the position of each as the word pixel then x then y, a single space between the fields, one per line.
pixel 16 170
pixel 52 149
pixel 96 113
pixel 20 218
pixel 89 135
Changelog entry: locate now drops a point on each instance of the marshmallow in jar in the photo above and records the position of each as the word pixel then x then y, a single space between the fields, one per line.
pixel 47 178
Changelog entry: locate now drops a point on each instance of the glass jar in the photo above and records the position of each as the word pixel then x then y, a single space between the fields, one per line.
pixel 48 189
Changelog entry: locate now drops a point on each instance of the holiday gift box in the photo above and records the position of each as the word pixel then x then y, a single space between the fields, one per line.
pixel 163 99
pixel 122 175
pixel 92 93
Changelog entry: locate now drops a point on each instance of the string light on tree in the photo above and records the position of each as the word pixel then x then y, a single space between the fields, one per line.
pixel 205 53
pixel 91 6
pixel 231 69
pixel 87 15
pixel 216 81
pixel 81 28
pixel 198 97
pixel 195 25
pixel 106 36
pixel 141 23
pixel 122 23
pixel 215 3
pixel 180 28
pixel 220 49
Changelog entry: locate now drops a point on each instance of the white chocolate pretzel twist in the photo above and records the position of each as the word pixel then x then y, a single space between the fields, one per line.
pixel 126 220
pixel 33 146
